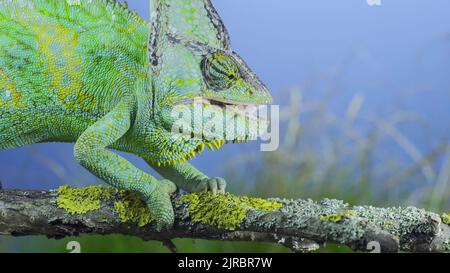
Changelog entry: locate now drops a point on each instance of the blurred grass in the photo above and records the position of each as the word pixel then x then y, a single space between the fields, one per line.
pixel 357 157
pixel 120 244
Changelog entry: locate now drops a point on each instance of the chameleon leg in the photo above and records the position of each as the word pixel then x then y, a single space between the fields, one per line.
pixel 188 178
pixel 90 151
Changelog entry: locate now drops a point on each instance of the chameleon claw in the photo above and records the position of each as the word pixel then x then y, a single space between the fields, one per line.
pixel 215 185
pixel 222 184
pixel 167 186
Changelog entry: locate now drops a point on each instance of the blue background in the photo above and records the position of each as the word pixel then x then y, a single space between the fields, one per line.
pixel 395 56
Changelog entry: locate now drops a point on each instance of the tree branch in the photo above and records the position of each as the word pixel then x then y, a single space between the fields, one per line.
pixel 301 225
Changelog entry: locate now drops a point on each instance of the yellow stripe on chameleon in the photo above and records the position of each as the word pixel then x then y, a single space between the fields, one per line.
pixel 9 86
pixel 58 47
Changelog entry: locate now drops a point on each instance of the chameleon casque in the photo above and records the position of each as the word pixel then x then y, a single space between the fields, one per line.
pixel 93 73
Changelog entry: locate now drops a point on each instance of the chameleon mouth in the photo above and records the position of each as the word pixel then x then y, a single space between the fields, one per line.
pixel 252 111
pixel 244 117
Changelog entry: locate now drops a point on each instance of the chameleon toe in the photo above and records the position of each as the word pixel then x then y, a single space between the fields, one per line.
pixel 167 186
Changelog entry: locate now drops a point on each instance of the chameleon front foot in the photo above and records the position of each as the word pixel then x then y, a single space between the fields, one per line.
pixel 215 185
pixel 160 205
pixel 167 186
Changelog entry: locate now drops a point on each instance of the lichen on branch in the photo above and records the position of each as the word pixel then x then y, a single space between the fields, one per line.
pixel 225 211
pixel 82 200
pixel 301 225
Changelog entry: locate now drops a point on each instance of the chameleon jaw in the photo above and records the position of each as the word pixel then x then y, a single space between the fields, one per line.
pixel 242 113
pixel 249 110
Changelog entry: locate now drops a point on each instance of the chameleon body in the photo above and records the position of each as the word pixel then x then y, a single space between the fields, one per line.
pixel 95 74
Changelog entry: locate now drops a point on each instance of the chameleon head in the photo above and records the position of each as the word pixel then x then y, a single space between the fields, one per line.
pixel 204 90
pixel 226 108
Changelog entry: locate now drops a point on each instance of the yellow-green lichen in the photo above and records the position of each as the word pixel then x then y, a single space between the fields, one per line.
pixel 388 224
pixel 82 200
pixel 338 217
pixel 132 209
pixel 445 217
pixel 129 206
pixel 225 211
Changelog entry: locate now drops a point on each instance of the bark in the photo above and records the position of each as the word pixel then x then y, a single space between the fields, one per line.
pixel 301 225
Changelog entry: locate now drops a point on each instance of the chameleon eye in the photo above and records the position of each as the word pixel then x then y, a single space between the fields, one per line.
pixel 219 71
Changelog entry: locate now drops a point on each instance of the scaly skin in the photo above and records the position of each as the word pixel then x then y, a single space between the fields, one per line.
pixel 93 73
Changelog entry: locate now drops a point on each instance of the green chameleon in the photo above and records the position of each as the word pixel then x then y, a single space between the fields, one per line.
pixel 93 73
